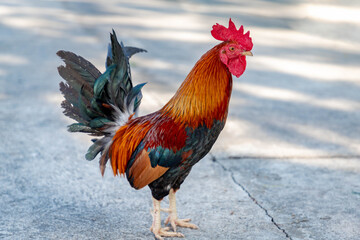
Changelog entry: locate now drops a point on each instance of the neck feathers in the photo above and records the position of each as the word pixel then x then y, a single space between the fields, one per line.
pixel 204 95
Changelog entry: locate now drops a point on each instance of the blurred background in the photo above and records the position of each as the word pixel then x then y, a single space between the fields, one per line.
pixel 299 95
pixel 298 102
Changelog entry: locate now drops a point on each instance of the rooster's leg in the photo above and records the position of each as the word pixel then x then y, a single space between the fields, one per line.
pixel 173 218
pixel 156 225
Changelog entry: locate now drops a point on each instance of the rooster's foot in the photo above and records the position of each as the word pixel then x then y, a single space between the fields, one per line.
pixel 156 228
pixel 180 222
pixel 173 218
pixel 163 232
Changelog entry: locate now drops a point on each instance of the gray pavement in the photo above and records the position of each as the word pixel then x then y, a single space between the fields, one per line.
pixel 287 165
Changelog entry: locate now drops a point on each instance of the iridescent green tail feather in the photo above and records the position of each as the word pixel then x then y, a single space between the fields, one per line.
pixel 99 103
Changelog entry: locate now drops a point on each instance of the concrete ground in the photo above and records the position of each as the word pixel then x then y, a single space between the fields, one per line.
pixel 287 165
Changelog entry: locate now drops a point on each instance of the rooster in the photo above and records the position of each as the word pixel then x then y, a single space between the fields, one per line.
pixel 158 149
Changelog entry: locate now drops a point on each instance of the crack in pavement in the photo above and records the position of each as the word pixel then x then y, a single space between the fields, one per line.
pixel 250 196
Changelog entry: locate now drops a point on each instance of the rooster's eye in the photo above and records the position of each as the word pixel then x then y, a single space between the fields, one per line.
pixel 231 48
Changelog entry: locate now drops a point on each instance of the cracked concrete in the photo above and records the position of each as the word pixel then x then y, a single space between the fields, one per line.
pixel 306 202
pixel 251 197
pixel 286 165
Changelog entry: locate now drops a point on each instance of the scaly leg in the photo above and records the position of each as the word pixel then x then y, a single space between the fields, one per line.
pixel 173 218
pixel 156 225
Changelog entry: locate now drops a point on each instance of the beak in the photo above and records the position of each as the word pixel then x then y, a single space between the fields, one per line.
pixel 247 53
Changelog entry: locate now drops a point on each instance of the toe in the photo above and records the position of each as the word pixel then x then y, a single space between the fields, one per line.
pixel 173 225
pixel 167 220
pixel 158 237
pixel 185 223
pixel 165 233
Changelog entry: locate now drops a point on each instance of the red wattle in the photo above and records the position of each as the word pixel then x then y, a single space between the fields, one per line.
pixel 237 66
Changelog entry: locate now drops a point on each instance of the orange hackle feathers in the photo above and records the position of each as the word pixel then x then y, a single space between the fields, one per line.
pixel 205 93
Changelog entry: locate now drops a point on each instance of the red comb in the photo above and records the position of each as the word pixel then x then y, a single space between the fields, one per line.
pixel 222 33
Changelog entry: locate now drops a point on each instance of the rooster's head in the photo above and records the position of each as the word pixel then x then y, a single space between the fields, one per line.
pixel 237 46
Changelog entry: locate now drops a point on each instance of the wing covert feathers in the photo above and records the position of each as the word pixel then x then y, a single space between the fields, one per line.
pixel 142 173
